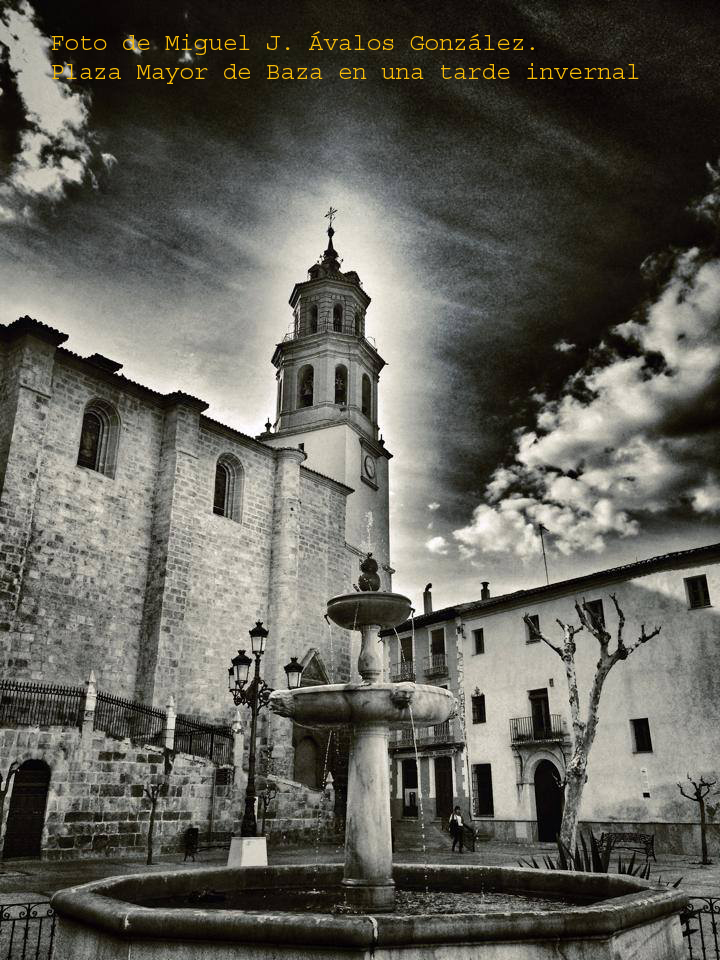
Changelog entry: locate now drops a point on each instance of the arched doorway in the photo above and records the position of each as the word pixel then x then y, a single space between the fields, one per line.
pixel 26 816
pixel 548 801
pixel 306 763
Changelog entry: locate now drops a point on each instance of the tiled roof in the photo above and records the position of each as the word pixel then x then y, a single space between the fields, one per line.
pixel 627 571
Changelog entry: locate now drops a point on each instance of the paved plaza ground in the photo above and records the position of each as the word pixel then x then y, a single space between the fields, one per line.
pixel 34 879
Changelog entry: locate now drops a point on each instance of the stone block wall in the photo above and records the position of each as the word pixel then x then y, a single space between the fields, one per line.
pixel 134 576
pixel 96 803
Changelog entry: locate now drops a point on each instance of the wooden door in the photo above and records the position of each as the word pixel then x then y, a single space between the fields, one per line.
pixel 26 815
pixel 443 787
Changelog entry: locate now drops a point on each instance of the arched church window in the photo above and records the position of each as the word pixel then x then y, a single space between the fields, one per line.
pixel 306 382
pixel 280 395
pixel 99 438
pixel 337 318
pixel 358 323
pixel 366 396
pixel 341 378
pixel 227 496
pixel 307 759
pixel 313 318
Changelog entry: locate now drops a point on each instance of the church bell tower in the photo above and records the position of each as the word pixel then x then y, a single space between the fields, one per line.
pixel 327 397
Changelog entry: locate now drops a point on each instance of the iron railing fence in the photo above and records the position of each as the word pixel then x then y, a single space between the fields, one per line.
pixel 123 718
pixel 436 665
pixel 27 930
pixel 440 733
pixel 404 670
pixel 701 928
pixel 204 739
pixel 328 326
pixel 527 729
pixel 29 703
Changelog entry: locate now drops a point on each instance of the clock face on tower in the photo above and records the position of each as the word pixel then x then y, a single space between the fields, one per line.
pixel 369 467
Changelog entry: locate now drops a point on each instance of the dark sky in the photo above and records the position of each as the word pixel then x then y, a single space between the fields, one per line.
pixel 499 226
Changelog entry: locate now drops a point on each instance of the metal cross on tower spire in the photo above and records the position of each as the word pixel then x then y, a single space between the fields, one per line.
pixel 331 214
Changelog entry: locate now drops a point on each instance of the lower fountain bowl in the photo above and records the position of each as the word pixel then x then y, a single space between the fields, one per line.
pixel 611 916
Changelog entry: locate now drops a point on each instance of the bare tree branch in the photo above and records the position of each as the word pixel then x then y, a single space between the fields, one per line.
pixel 535 634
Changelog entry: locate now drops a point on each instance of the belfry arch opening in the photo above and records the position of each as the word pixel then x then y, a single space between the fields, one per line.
pixel 366 398
pixel 341 380
pixel 306 386
pixel 337 318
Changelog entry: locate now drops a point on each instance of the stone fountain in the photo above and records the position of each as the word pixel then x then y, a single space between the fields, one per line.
pixel 368 708
pixel 167 915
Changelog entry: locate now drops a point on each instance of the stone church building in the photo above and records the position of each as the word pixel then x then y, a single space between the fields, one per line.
pixel 141 538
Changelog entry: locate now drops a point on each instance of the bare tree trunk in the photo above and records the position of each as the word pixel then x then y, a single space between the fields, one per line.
pixel 151 829
pixel 703 833
pixel 574 786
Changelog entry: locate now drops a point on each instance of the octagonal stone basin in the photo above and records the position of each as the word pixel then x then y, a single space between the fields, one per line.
pixel 352 611
pixel 613 918
pixel 359 704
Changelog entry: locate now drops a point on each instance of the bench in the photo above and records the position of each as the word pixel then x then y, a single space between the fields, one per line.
pixel 637 842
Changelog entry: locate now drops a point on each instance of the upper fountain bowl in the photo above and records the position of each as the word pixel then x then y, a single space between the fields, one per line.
pixel 373 608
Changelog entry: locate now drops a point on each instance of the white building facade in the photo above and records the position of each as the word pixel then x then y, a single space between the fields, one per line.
pixel 659 716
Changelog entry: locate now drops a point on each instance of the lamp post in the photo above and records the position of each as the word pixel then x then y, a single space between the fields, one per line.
pixel 254 695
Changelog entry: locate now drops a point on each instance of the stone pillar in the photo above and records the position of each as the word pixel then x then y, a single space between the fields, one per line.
pixel 171 555
pixel 285 584
pixel 170 717
pixel 368 881
pixel 88 724
pixel 24 404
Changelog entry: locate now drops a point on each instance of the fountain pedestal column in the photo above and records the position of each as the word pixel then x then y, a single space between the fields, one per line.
pixel 368 881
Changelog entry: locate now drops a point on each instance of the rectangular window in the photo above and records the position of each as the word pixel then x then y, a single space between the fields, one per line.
pixel 479 641
pixel 698 594
pixel 596 609
pixel 437 643
pixel 406 651
pixel 641 734
pixel 540 714
pixel 533 631
pixel 478 708
pixel 482 781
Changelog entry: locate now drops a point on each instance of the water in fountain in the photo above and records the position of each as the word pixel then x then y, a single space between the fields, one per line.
pixel 320 806
pixel 421 811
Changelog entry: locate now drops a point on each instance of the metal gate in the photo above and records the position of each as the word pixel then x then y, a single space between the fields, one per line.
pixel 27 931
pixel 700 926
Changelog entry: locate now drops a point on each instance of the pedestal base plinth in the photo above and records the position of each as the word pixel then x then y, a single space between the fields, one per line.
pixel 248 852
pixel 370 897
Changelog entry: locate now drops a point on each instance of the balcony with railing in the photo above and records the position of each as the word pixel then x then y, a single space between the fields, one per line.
pixel 328 326
pixel 532 730
pixel 439 734
pixel 405 670
pixel 435 665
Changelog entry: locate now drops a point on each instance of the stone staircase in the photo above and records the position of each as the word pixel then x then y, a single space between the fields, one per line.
pixel 407 835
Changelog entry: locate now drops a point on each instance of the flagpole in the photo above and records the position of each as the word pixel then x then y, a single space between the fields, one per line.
pixel 542 541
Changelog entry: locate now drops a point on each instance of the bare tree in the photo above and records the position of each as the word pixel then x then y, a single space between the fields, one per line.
pixel 154 791
pixel 584 730
pixel 700 789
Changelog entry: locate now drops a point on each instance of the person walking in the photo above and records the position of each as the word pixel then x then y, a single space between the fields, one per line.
pixel 456 828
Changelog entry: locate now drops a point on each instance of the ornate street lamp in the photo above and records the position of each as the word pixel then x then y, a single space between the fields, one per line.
pixel 254 695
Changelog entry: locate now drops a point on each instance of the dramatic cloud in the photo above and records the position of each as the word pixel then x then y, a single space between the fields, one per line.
pixel 433 506
pixel 55 146
pixel 634 433
pixel 438 546
pixel 562 346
